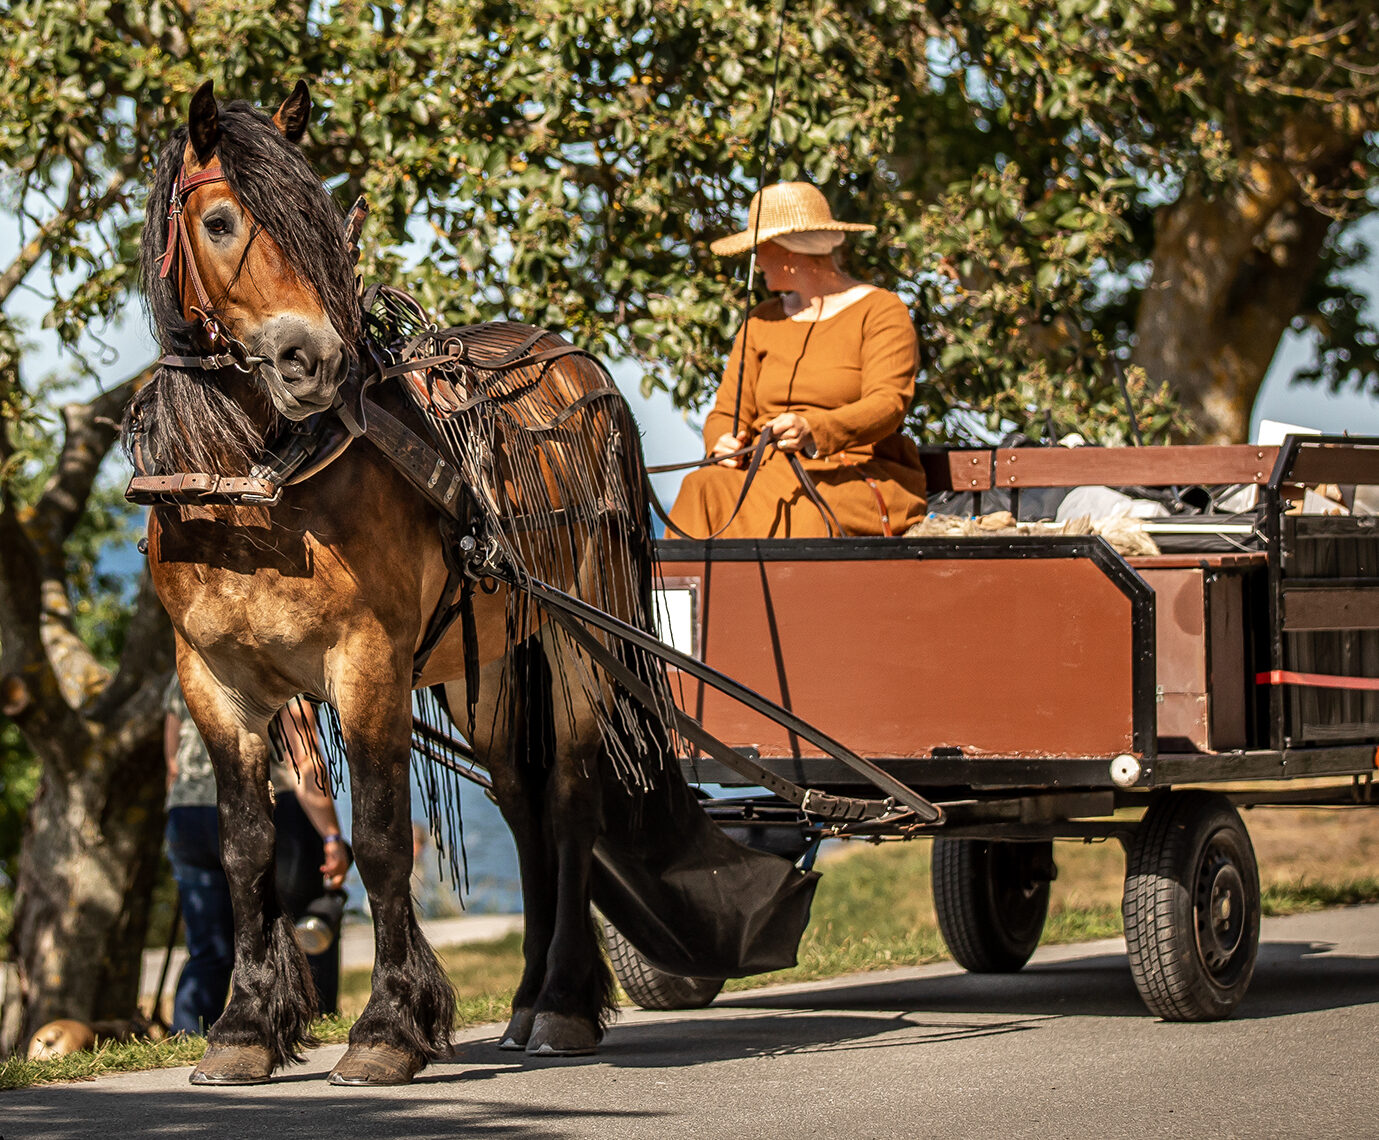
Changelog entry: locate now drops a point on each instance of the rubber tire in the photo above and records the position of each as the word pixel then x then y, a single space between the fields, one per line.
pixel 649 987
pixel 1191 852
pixel 992 899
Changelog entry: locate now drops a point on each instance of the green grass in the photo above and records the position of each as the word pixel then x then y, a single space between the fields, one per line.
pixel 873 910
pixel 114 1057
pixel 1298 896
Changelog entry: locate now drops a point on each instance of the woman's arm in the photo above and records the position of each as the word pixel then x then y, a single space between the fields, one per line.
pixel 172 736
pixel 304 754
pixel 720 438
pixel 890 357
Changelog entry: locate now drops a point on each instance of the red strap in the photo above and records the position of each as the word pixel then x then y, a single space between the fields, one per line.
pixel 881 506
pixel 1316 680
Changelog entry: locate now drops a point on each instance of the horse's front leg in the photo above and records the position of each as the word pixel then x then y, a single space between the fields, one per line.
pixel 272 999
pixel 411 1010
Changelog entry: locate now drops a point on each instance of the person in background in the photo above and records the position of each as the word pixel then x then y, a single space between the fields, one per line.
pixel 312 856
pixel 829 371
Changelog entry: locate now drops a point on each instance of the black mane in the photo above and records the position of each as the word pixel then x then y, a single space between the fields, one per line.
pixel 185 420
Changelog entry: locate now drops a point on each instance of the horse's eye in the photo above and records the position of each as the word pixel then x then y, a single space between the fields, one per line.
pixel 217 226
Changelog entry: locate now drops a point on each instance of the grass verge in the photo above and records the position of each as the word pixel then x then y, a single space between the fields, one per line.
pixel 873 910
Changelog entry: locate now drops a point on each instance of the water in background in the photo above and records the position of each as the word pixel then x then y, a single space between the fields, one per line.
pixel 491 856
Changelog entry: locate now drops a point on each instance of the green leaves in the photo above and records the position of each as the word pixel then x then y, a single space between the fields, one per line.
pixel 568 163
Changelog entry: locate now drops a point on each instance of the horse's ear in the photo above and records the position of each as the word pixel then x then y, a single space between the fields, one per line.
pixel 291 117
pixel 203 122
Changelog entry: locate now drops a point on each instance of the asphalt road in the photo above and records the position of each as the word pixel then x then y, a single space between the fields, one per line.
pixel 1063 1049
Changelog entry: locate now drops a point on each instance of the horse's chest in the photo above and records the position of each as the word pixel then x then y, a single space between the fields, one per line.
pixel 246 613
pixel 282 599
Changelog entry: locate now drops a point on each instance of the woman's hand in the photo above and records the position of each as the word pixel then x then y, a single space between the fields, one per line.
pixel 790 432
pixel 727 444
pixel 338 860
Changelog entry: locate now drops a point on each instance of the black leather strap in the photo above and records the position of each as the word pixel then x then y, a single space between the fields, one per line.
pixel 425 468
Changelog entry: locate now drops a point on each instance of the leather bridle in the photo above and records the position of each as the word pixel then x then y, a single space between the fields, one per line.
pixel 236 353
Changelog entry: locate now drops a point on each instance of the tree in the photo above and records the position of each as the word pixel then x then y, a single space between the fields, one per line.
pixel 1043 175
pixel 1165 181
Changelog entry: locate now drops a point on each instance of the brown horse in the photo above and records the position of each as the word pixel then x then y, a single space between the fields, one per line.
pixel 329 590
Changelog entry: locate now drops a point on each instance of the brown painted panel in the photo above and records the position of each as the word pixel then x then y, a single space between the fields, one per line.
pixel 1228 669
pixel 1255 558
pixel 1330 607
pixel 1335 463
pixel 1181 659
pixel 898 657
pixel 1137 466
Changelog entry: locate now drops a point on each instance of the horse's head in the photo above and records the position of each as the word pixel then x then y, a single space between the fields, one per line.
pixel 243 252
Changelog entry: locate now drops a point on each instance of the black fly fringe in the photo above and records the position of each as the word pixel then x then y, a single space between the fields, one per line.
pixel 440 761
pixel 551 456
pixel 317 726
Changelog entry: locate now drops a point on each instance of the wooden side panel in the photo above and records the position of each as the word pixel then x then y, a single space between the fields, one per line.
pixel 1181 656
pixel 1199 643
pixel 901 657
pixel 1138 466
pixel 954 470
pixel 1227 647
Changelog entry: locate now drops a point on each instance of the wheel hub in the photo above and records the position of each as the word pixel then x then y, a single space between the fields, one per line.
pixel 1220 910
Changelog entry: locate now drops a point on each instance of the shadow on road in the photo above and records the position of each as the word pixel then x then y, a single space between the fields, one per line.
pixel 273 1112
pixel 1290 978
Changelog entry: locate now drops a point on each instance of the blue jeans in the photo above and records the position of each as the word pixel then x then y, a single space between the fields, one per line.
pixel 193 835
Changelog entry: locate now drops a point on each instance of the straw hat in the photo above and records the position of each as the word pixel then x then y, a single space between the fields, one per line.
pixel 786 208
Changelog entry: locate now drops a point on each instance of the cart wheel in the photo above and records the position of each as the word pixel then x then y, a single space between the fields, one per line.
pixel 1192 907
pixel 991 899
pixel 649 987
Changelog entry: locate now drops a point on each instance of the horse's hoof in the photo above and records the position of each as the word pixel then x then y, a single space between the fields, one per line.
pixel 518 1032
pixel 562 1035
pixel 233 1065
pixel 375 1065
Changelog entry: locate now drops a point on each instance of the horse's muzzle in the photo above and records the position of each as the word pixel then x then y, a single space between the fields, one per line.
pixel 308 364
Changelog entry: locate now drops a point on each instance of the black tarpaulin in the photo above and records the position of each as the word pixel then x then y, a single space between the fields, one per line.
pixel 691 900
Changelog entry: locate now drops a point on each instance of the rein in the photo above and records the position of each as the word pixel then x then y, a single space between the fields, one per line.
pixel 757 451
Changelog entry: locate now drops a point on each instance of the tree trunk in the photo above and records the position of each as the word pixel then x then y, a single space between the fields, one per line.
pixel 93 833
pixel 1231 272
pixel 89 861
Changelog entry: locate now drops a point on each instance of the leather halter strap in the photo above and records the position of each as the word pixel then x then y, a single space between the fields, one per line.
pixel 179 245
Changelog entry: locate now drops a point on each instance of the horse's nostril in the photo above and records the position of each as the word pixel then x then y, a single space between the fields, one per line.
pixel 295 361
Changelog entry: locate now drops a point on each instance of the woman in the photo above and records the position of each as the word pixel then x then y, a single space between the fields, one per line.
pixel 829 372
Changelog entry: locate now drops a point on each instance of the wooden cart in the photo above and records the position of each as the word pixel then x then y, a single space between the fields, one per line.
pixel 1036 687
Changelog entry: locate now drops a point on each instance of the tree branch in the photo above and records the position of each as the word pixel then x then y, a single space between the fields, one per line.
pixel 29 691
pixel 148 652
pixel 92 430
pixel 34 249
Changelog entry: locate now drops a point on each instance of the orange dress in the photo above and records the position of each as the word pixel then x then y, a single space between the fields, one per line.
pixel 852 378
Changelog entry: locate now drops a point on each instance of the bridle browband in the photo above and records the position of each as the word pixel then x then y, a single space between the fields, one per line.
pixel 179 244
